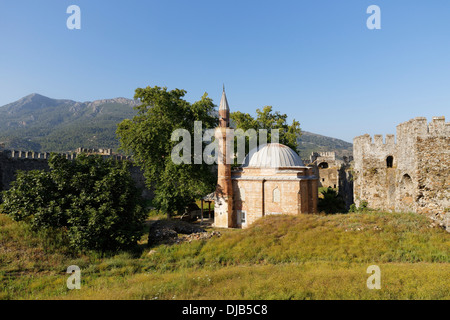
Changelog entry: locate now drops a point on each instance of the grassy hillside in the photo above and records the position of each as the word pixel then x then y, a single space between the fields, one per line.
pixel 311 142
pixel 283 257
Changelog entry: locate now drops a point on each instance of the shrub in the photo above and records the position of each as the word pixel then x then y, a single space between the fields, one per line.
pixel 94 200
pixel 330 201
pixel 363 207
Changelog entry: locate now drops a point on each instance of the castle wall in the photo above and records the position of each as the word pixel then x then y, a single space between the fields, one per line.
pixel 12 161
pixel 346 185
pixel 416 180
pixel 333 173
pixel 9 165
pixel 329 177
pixel 373 180
pixel 433 178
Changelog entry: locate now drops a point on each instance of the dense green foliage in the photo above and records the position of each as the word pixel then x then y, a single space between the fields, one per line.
pixel 266 119
pixel 147 137
pixel 363 207
pixel 330 201
pixel 92 199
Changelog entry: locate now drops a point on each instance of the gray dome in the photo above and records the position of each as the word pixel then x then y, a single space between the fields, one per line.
pixel 272 155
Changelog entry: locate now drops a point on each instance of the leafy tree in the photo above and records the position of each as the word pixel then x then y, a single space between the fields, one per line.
pixel 93 199
pixel 266 119
pixel 147 137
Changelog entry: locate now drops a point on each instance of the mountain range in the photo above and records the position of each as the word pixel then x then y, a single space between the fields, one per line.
pixel 39 123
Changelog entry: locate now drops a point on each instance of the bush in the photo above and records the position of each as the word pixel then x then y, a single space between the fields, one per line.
pixel 330 201
pixel 363 207
pixel 93 200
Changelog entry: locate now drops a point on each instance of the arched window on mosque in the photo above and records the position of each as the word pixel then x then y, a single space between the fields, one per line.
pixel 276 195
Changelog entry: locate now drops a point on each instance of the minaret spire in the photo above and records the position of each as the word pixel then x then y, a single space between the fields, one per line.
pixel 224 110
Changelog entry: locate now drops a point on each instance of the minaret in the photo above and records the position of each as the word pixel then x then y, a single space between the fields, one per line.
pixel 223 206
pixel 224 111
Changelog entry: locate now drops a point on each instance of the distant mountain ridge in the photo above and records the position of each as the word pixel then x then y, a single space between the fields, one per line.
pixel 42 124
pixel 311 142
pixel 39 123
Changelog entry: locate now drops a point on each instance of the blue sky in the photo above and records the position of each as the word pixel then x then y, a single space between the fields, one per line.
pixel 313 60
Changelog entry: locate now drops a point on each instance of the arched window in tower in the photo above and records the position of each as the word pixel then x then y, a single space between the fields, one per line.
pixel 323 165
pixel 406 186
pixel 276 195
pixel 389 161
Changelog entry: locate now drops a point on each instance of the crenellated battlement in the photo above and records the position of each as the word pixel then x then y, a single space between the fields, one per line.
pixel 418 126
pixel 408 172
pixel 31 155
pixel 94 151
pixel 378 140
pixel 12 161
pixel 326 156
pixel 421 127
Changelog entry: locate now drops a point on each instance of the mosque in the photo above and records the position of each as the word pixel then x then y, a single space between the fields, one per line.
pixel 273 180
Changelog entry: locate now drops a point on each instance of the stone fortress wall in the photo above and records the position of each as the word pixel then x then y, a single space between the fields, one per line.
pixel 333 173
pixel 410 174
pixel 12 160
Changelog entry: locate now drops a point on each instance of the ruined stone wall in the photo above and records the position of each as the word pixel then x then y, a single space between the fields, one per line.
pixel 433 180
pixel 345 187
pixel 334 173
pixel 326 167
pixel 373 180
pixel 11 161
pixel 409 175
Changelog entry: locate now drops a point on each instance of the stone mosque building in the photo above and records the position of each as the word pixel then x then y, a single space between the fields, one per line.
pixel 273 180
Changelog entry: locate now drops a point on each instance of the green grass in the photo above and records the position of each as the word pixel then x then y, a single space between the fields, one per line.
pixel 279 257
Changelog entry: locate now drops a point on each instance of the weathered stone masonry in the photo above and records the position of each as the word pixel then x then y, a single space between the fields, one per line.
pixel 410 174
pixel 333 173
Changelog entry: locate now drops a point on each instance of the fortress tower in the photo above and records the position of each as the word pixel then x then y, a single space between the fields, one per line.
pixel 406 173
